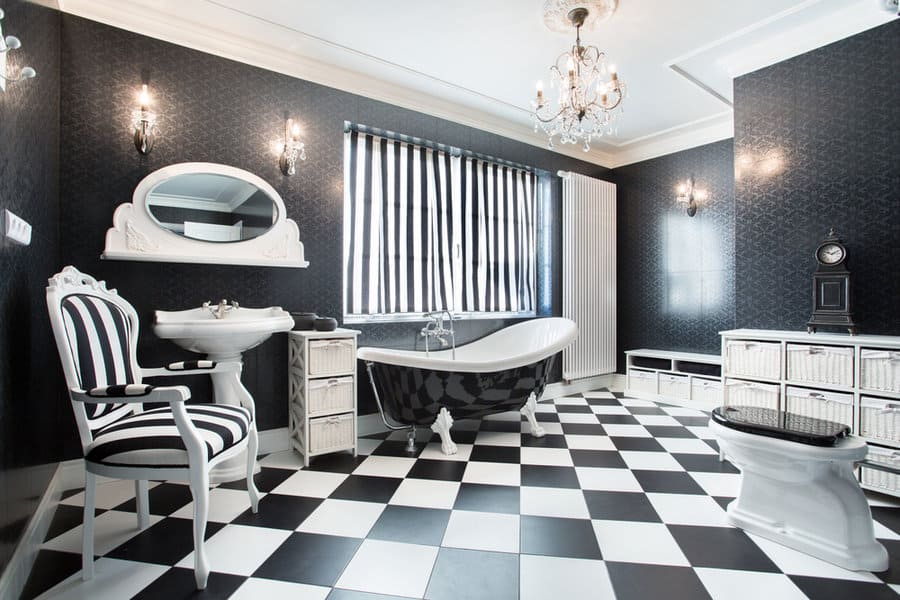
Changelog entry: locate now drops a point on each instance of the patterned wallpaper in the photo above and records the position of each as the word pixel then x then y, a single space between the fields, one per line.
pixel 212 109
pixel 817 145
pixel 32 406
pixel 675 272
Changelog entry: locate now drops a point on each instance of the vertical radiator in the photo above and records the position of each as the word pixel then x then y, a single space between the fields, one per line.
pixel 589 274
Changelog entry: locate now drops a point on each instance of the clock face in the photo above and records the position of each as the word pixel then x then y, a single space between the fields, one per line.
pixel 830 253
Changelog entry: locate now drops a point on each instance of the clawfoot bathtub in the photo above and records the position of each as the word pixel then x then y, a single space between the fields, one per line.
pixel 506 370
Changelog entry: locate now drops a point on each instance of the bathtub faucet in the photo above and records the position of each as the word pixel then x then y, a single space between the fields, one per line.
pixel 435 329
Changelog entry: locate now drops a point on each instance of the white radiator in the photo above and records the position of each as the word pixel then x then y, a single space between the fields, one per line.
pixel 589 274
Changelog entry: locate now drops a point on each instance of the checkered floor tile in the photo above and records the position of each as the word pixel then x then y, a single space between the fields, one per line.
pixel 623 498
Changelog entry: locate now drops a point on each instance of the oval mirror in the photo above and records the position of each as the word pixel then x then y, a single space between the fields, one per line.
pixel 212 207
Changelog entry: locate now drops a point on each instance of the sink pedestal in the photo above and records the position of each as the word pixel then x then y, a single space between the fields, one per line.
pixel 233 469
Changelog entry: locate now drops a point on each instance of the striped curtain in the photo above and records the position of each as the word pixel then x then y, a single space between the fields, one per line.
pixel 424 230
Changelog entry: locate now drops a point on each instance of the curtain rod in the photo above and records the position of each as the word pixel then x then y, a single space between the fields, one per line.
pixel 452 150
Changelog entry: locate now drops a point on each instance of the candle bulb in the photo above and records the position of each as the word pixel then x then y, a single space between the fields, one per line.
pixel 144 97
pixel 295 132
pixel 540 92
pixel 571 66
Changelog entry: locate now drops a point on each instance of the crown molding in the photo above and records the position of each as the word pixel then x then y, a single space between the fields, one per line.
pixel 690 135
pixel 152 21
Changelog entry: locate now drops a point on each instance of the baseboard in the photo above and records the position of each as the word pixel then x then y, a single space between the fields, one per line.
pixel 16 572
pixel 369 424
pixel 273 440
pixel 612 381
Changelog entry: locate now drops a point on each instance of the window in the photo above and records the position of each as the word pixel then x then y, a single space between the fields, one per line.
pixel 427 229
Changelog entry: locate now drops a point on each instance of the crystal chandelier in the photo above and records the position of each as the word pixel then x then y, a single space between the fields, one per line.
pixel 590 93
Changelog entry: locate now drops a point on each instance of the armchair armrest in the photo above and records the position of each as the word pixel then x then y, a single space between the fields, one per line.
pixel 133 393
pixel 171 370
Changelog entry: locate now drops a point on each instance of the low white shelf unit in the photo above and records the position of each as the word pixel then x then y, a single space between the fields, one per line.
pixel 850 379
pixel 322 391
pixel 682 378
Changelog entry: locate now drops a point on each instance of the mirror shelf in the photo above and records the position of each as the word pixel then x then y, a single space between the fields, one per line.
pixel 138 235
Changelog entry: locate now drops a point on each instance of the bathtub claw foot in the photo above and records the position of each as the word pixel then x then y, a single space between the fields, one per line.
pixel 528 410
pixel 441 426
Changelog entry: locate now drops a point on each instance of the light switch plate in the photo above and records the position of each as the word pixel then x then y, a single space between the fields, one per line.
pixel 16 228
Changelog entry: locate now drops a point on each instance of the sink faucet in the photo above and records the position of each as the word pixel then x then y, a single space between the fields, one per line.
pixel 219 311
pixel 434 328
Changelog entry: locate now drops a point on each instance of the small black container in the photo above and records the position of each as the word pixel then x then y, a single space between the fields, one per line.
pixel 304 321
pixel 325 324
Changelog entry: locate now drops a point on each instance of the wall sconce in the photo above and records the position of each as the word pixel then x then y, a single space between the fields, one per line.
pixel 291 149
pixel 8 44
pixel 690 195
pixel 143 121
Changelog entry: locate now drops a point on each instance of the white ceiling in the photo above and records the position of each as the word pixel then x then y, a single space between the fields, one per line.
pixel 476 61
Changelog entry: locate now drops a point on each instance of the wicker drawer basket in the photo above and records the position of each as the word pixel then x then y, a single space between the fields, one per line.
pixel 706 390
pixel 331 357
pixel 642 381
pixel 879 419
pixel 819 404
pixel 820 364
pixel 753 359
pixel 876 478
pixel 327 434
pixel 674 386
pixel 330 395
pixel 751 393
pixel 880 370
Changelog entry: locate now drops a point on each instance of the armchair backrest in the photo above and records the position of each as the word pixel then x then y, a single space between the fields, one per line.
pixel 96 335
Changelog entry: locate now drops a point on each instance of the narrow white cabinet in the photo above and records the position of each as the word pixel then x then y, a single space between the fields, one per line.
pixel 322 391
pixel 838 377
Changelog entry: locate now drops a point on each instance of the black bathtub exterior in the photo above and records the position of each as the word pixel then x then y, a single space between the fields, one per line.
pixel 414 396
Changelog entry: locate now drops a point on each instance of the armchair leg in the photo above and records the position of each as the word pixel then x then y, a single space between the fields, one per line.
pixel 142 498
pixel 200 493
pixel 87 541
pixel 252 446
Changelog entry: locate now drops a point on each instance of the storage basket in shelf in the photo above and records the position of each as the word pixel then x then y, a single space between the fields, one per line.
pixel 674 386
pixel 820 364
pixel 328 395
pixel 327 434
pixel 880 370
pixel 706 390
pixel 753 359
pixel 331 357
pixel 876 478
pixel 819 404
pixel 642 381
pixel 879 419
pixel 751 393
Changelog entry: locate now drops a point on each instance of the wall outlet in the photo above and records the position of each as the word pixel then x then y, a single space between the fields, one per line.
pixel 16 228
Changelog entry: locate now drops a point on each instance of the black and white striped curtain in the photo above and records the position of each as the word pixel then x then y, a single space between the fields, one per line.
pixel 424 230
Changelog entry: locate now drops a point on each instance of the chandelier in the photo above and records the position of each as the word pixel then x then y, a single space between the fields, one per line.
pixel 590 93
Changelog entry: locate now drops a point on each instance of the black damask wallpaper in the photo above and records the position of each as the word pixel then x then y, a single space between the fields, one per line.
pixel 217 110
pixel 675 272
pixel 33 418
pixel 817 145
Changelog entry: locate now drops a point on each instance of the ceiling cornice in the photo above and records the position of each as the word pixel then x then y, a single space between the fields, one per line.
pixel 150 21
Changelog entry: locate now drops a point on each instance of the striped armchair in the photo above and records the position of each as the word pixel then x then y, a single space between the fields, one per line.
pixel 96 334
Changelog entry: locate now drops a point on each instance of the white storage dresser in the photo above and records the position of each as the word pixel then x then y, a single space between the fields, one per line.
pixel 850 379
pixel 322 391
pixel 683 378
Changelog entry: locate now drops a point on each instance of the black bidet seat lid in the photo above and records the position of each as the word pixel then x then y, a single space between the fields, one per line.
pixel 782 425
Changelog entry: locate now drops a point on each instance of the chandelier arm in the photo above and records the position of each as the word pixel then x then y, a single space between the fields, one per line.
pixel 549 119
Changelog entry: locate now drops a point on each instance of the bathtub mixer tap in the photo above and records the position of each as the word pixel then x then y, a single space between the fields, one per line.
pixel 434 328
pixel 219 311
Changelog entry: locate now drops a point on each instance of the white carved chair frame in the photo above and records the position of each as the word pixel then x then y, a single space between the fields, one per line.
pixel 71 281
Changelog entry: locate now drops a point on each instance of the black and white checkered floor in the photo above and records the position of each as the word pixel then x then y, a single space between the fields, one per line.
pixel 622 498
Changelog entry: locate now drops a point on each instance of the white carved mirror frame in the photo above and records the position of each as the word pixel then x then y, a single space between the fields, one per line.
pixel 135 234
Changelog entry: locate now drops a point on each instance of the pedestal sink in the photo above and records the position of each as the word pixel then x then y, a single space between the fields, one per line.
pixel 222 335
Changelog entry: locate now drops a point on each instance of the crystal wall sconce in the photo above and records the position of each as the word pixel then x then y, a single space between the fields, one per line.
pixel 8 44
pixel 143 121
pixel 291 149
pixel 689 195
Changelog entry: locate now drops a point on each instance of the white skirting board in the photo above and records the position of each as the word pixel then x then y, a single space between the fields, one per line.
pixel 15 574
